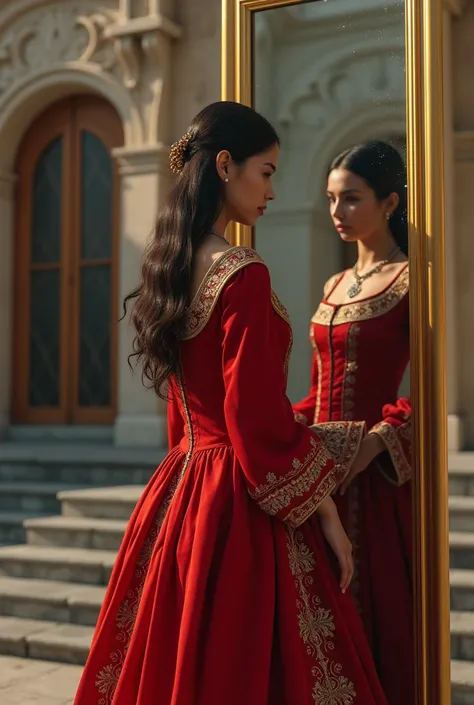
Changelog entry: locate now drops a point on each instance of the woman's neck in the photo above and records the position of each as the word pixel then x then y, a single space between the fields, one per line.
pixel 221 224
pixel 370 253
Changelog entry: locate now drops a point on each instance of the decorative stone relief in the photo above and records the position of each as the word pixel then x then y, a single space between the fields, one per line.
pixel 140 8
pixel 369 80
pixel 57 35
pixel 135 51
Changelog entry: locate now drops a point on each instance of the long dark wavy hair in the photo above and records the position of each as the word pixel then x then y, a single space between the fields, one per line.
pixel 161 300
pixel 382 168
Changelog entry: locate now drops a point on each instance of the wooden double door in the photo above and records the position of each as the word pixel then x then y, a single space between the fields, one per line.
pixel 65 313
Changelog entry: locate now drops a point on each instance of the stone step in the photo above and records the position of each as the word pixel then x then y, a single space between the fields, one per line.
pixel 50 600
pixel 461 550
pixel 102 503
pixel 11 526
pixel 462 590
pixel 48 641
pixel 461 474
pixel 462 636
pixel 78 532
pixel 462 683
pixel 461 513
pixel 75 565
pixel 50 433
pixel 33 497
pixel 84 464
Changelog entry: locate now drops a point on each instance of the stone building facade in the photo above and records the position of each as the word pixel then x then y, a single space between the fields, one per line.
pixel 91 96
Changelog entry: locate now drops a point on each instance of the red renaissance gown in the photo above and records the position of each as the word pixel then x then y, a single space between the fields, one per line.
pixel 361 352
pixel 222 592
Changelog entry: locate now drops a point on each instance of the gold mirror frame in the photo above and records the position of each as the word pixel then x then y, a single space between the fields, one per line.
pixel 424 66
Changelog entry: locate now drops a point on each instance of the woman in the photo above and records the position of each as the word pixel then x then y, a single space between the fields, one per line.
pixel 220 592
pixel 360 335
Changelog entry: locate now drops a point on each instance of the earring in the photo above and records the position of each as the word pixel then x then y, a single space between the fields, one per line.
pixel 226 181
pixel 388 216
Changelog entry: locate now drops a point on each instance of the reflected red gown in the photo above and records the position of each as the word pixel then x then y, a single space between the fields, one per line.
pixel 222 592
pixel 361 352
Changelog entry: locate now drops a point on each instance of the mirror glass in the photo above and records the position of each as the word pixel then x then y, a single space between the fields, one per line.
pixel 330 75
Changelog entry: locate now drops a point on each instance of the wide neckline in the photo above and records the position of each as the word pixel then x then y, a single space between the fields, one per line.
pixel 366 298
pixel 210 272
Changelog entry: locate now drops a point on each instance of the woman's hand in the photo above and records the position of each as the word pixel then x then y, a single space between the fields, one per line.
pixel 337 538
pixel 370 448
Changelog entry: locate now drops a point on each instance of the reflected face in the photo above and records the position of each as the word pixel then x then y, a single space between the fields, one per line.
pixel 250 187
pixel 355 210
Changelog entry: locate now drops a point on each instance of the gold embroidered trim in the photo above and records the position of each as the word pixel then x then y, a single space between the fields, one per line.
pixel 319 362
pixel 364 310
pixel 312 338
pixel 348 391
pixel 392 437
pixel 280 309
pixel 343 440
pixel 207 296
pixel 317 628
pixel 283 313
pixel 108 677
pixel 279 492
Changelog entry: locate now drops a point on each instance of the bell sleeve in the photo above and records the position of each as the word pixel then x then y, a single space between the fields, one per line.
pixel 288 469
pixel 395 429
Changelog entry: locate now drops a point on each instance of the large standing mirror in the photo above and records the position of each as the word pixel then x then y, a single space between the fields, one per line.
pixel 354 90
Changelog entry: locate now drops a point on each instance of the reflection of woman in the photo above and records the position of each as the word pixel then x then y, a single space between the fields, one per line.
pixel 222 592
pixel 360 335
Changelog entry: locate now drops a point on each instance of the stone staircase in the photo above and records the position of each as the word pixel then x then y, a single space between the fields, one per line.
pixel 52 586
pixel 32 475
pixel 461 542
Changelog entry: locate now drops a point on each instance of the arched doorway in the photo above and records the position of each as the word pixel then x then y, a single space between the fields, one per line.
pixel 64 369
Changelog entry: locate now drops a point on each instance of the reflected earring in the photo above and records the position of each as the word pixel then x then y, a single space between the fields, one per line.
pixel 388 216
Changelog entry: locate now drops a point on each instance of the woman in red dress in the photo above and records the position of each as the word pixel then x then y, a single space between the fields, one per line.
pixel 360 335
pixel 222 592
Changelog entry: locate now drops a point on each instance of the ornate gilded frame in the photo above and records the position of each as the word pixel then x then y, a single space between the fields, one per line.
pixel 424 64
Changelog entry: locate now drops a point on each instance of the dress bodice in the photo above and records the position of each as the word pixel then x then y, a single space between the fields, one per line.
pixel 362 351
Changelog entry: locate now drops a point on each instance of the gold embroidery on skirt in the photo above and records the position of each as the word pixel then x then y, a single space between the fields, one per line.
pixel 317 628
pixel 108 677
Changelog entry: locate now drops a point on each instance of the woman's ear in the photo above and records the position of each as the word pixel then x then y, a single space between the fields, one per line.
pixel 223 161
pixel 392 202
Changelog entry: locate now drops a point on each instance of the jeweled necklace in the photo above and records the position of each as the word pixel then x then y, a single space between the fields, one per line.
pixel 213 232
pixel 356 287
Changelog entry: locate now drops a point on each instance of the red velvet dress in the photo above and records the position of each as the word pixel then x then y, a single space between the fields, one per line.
pixel 222 592
pixel 361 352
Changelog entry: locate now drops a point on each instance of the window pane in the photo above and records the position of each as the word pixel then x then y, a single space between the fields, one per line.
pixel 95 322
pixel 97 199
pixel 44 338
pixel 46 216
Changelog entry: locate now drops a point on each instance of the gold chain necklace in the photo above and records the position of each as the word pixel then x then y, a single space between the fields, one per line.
pixel 356 287
pixel 213 232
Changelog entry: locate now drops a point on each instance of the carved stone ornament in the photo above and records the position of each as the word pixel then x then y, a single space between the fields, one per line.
pixel 55 35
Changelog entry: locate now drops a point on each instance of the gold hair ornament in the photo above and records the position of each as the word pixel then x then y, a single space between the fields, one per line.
pixel 178 153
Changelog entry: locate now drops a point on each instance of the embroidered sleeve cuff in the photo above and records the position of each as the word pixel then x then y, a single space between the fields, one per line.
pixel 398 443
pixel 294 496
pixel 342 439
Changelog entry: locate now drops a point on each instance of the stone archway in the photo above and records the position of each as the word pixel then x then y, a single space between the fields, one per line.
pixel 48 52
